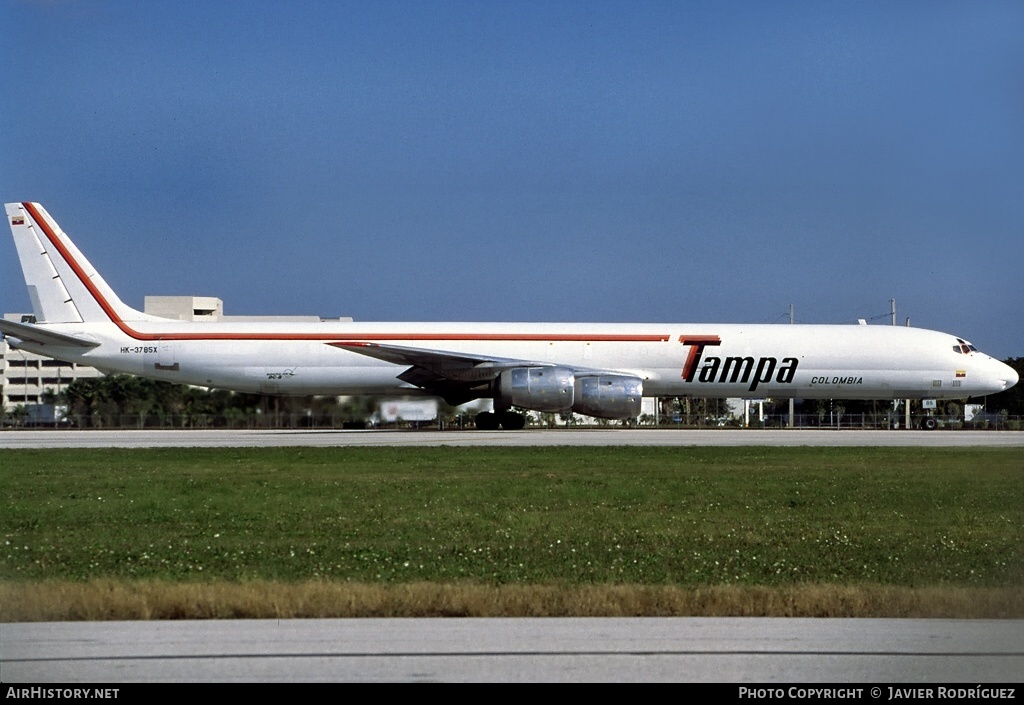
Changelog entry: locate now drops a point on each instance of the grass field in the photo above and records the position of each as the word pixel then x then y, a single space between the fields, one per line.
pixel 562 522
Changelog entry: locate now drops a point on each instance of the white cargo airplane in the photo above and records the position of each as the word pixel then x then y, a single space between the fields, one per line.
pixel 596 369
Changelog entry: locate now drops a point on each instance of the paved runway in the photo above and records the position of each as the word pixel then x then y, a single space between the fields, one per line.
pixel 585 437
pixel 747 651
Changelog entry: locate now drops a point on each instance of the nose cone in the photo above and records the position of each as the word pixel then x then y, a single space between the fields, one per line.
pixel 998 376
pixel 1009 376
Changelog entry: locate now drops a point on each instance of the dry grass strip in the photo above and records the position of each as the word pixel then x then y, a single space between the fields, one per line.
pixel 135 600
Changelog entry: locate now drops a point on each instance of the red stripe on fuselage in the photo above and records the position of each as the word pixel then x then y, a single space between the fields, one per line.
pixel 139 335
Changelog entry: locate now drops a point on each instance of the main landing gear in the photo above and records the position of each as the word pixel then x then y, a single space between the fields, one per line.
pixel 508 420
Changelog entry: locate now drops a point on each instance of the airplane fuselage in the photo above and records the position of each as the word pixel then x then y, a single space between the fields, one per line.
pixel 698 360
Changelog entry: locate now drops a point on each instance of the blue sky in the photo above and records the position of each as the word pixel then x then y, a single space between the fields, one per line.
pixel 529 161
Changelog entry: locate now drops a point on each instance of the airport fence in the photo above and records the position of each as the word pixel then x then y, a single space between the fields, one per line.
pixel 860 421
pixel 298 420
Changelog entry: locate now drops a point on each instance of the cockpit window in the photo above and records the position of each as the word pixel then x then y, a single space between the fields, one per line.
pixel 963 347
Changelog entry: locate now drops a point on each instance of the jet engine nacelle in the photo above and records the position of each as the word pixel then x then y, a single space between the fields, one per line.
pixel 537 388
pixel 557 389
pixel 608 396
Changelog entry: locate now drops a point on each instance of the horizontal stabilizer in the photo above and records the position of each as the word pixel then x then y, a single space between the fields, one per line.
pixel 40 336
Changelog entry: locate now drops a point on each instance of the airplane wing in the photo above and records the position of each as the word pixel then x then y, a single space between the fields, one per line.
pixel 448 374
pixel 438 364
pixel 38 335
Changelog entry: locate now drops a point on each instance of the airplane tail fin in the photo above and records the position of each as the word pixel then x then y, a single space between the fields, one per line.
pixel 63 286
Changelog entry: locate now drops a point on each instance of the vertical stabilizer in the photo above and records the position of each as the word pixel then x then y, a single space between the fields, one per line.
pixel 62 285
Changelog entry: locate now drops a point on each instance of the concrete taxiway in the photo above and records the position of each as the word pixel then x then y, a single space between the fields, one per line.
pixel 740 650
pixel 192 438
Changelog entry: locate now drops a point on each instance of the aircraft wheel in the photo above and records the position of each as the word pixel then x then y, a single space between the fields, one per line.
pixel 511 421
pixel 929 424
pixel 487 421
